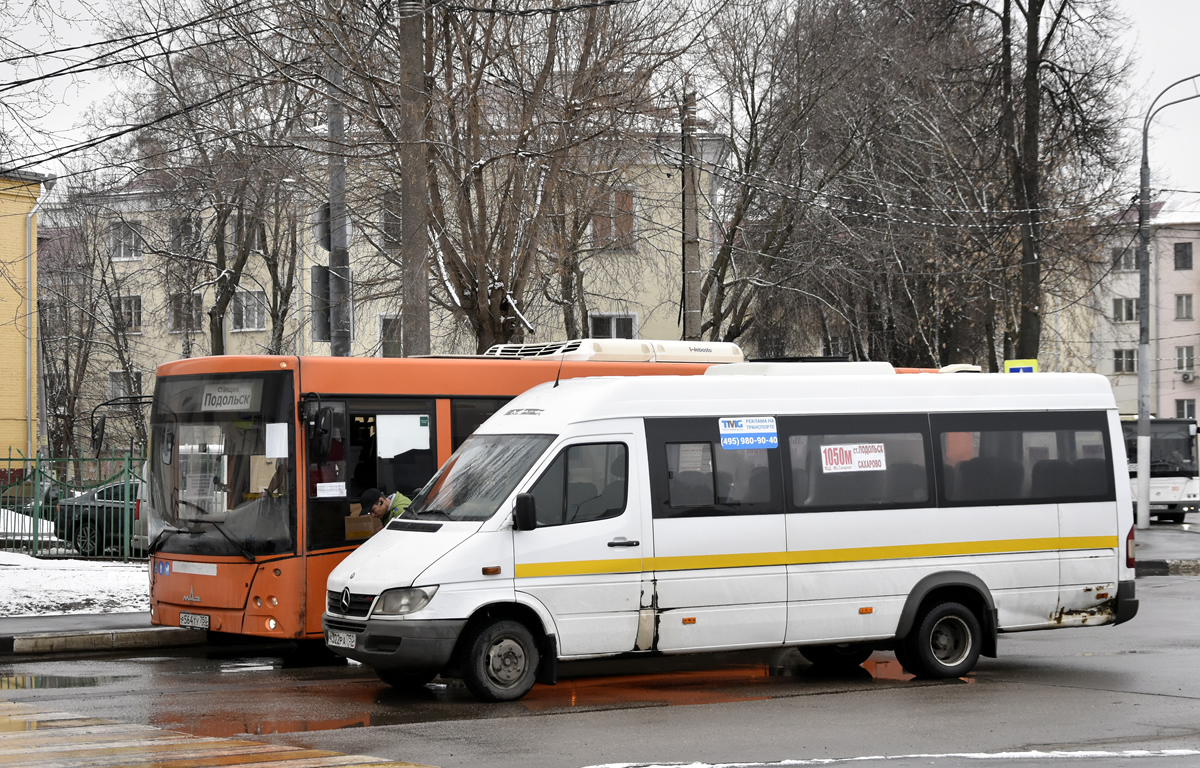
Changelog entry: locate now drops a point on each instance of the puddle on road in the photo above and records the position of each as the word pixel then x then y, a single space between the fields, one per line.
pixel 29 682
pixel 365 701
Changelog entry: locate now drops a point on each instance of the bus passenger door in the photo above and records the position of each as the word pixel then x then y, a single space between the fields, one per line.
pixel 584 559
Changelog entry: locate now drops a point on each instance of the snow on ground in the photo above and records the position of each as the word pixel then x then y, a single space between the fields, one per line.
pixel 37 587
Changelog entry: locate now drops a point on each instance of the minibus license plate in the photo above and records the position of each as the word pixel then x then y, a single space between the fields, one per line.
pixel 340 639
pixel 193 621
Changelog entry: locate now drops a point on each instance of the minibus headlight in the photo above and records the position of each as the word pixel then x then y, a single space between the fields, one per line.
pixel 397 602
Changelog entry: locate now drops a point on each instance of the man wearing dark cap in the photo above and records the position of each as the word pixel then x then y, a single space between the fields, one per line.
pixel 383 508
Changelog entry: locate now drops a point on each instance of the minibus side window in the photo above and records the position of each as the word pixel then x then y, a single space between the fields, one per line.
pixel 1023 458
pixel 865 470
pixel 584 483
pixel 690 475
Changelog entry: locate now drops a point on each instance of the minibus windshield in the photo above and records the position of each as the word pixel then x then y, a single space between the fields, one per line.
pixel 480 475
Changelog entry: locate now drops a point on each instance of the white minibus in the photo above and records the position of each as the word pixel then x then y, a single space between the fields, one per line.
pixel 838 508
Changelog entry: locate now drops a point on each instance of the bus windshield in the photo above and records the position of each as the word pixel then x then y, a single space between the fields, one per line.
pixel 220 479
pixel 477 479
pixel 1172 447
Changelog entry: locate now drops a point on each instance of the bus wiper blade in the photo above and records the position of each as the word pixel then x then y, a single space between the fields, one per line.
pixel 162 536
pixel 244 552
pixel 436 513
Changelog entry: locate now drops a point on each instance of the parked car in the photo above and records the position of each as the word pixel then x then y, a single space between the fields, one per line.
pixel 93 521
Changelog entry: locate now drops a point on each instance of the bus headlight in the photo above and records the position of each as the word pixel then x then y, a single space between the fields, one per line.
pixel 397 602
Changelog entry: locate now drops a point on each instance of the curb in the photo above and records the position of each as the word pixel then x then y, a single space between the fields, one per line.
pixel 101 640
pixel 1168 568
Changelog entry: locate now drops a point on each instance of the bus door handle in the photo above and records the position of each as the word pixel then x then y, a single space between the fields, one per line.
pixel 623 543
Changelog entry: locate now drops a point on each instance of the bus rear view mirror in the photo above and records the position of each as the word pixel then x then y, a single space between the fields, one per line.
pixel 525 513
pixel 321 438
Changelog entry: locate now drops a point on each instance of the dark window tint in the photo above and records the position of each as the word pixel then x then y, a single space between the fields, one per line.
pixel 1013 458
pixel 693 474
pixel 856 462
pixel 585 483
pixel 467 413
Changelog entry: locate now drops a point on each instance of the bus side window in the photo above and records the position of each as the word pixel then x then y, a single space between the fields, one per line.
pixel 405 459
pixel 467 413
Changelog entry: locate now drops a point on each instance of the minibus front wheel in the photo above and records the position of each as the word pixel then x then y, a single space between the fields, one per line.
pixel 502 660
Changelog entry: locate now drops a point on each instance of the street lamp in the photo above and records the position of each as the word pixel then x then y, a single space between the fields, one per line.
pixel 1143 258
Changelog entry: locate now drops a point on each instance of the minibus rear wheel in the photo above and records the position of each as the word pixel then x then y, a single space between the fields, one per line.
pixel 945 643
pixel 834 657
pixel 501 662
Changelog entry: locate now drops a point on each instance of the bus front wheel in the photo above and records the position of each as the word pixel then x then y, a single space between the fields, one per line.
pixel 501 662
pixel 945 643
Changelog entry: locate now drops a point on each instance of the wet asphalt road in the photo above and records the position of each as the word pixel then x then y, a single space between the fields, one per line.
pixel 1108 690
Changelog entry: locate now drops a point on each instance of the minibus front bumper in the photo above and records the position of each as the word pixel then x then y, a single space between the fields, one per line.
pixel 390 644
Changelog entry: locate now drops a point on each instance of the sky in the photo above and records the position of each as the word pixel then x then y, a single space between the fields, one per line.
pixel 1160 36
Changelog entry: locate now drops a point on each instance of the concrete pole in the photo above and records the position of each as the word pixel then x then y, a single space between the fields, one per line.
pixel 339 252
pixel 692 319
pixel 414 218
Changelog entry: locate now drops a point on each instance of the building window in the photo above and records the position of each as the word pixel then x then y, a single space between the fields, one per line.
pixel 185 312
pixel 1185 409
pixel 1124 361
pixel 131 313
pixel 1124 260
pixel 249 311
pixel 391 221
pixel 126 237
pixel 1185 358
pixel 612 224
pixel 1183 255
pixel 1183 306
pixel 611 326
pixel 1125 310
pixel 390 337
pixel 185 234
pixel 116 384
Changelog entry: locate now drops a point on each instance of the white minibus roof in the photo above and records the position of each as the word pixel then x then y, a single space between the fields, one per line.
pixel 550 409
pixel 803 369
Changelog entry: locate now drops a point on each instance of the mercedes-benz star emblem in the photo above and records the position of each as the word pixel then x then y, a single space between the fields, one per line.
pixel 346 600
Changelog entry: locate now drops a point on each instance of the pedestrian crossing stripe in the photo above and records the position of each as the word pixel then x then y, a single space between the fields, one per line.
pixel 30 736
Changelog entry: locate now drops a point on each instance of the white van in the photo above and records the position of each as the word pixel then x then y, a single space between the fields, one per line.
pixel 753 507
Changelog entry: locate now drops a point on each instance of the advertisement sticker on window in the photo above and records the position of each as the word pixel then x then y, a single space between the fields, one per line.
pixel 859 457
pixel 747 432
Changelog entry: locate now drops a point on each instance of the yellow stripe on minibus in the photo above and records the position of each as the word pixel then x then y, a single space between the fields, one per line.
pixel 815 556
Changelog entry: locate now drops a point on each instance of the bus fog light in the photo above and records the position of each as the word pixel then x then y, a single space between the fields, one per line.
pixel 397 602
pixel 272 601
pixel 258 602
pixel 271 624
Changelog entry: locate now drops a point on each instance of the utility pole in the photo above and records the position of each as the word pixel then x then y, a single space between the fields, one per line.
pixel 414 223
pixel 339 251
pixel 691 222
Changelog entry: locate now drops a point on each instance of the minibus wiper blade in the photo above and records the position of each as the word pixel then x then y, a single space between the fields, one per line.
pixel 437 513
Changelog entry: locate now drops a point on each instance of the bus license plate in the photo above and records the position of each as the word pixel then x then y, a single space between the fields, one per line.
pixel 340 639
pixel 193 621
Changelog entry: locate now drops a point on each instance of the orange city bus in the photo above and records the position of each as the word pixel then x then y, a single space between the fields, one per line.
pixel 243 535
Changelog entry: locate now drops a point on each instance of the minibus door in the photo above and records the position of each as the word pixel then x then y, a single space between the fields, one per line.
pixel 583 561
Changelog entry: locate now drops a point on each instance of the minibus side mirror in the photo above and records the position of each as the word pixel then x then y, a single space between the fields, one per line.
pixel 322 434
pixel 524 513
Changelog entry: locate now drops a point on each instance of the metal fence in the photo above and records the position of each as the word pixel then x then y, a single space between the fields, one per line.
pixel 79 508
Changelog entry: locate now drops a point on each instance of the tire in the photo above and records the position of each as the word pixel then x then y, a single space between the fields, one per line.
pixel 944 643
pixel 835 657
pixel 86 538
pixel 501 662
pixel 406 680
